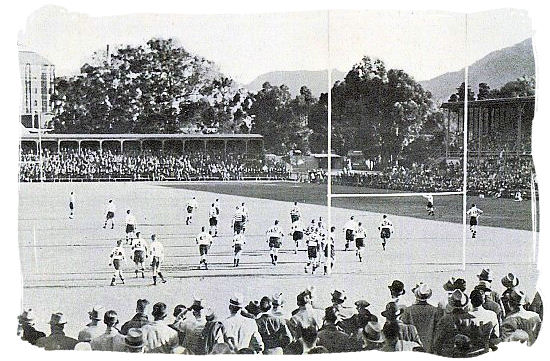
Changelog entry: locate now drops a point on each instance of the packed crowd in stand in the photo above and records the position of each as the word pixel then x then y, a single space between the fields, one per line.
pixel 89 164
pixel 472 322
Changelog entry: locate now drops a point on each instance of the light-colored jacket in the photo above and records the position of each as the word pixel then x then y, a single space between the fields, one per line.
pixel 242 332
pixel 111 340
pixel 159 337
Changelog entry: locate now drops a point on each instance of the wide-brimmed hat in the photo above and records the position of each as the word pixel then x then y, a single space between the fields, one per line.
pixel 142 304
pixel 510 281
pixel 483 286
pixel 253 307
pixel 362 304
pixel 236 300
pixel 373 332
pixel 484 275
pixel 57 319
pixel 134 338
pixel 277 299
pixel 392 311
pixel 455 284
pixel 397 287
pixel 95 312
pixel 197 304
pixel 209 314
pixel 517 297
pixel 422 291
pixel 339 296
pixel 159 310
pixel 458 299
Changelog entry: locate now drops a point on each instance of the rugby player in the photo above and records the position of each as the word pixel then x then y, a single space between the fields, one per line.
pixel 204 240
pixel 130 227
pixel 156 251
pixel 297 233
pixel 139 253
pixel 72 204
pixel 474 214
pixel 295 213
pixel 191 207
pixel 237 222
pixel 238 243
pixel 115 259
pixel 110 214
pixel 360 235
pixel 350 227
pixel 430 204
pixel 386 230
pixel 274 239
pixel 329 252
pixel 312 251
pixel 213 220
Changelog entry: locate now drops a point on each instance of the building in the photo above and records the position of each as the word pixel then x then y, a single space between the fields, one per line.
pixel 37 86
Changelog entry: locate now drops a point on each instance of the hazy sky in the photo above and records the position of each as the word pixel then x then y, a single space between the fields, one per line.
pixel 425 44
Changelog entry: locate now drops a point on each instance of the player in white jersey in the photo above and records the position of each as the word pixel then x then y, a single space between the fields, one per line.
pixel 110 214
pixel 139 254
pixel 474 214
pixel 297 233
pixel 329 252
pixel 518 197
pixel 244 212
pixel 72 204
pixel 274 239
pixel 217 206
pixel 238 243
pixel 130 227
pixel 192 205
pixel 350 227
pixel 313 242
pixel 213 220
pixel 204 240
pixel 311 227
pixel 430 204
pixel 115 259
pixel 237 222
pixel 295 213
pixel 156 251
pixel 323 234
pixel 360 235
pixel 386 230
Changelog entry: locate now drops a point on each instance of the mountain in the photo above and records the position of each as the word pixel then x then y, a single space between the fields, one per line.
pixel 316 81
pixel 495 69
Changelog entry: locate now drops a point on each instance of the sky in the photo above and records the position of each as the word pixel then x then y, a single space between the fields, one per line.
pixel 424 44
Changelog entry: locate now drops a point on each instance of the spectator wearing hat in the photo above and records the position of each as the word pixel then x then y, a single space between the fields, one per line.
pixel 488 302
pixel 133 342
pixel 92 329
pixel 520 319
pixel 371 337
pixel 485 281
pixel 190 329
pixel 305 343
pixel 423 315
pixel 111 340
pixel 277 306
pixel 338 298
pixel 510 282
pixel 139 320
pixel 252 310
pixel 397 290
pixel 273 330
pixel 406 332
pixel 240 331
pixel 354 325
pixel 457 322
pixel 331 336
pixel 57 339
pixel 392 340
pixel 305 316
pixel 26 327
pixel 450 286
pixel 212 333
pixel 158 336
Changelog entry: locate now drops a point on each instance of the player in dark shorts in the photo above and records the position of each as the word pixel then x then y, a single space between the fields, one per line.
pixel 349 238
pixel 297 236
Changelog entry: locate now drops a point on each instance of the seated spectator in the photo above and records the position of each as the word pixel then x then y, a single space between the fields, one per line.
pixel 520 319
pixel 57 339
pixel 92 329
pixel 332 337
pixel 305 343
pixel 111 340
pixel 26 327
pixel 158 336
pixel 140 319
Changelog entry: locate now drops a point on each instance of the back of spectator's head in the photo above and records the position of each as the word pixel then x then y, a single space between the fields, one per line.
pixel 110 318
pixel 309 335
pixel 179 309
pixel 462 343
pixel 391 330
pixel 476 298
pixel 331 314
pixel 159 311
pixel 265 304
pixel 141 305
pixel 302 299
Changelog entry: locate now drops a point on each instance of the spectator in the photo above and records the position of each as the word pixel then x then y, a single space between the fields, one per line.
pixel 133 342
pixel 26 326
pixel 520 319
pixel 484 316
pixel 111 340
pixel 354 325
pixel 305 316
pixel 212 333
pixel 305 343
pixel 191 328
pixel 57 339
pixel 139 320
pixel 273 330
pixel 241 332
pixel 371 337
pixel 405 333
pixel 331 336
pixel 92 329
pixel 158 336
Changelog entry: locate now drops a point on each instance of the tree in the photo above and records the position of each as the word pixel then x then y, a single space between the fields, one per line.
pixel 378 111
pixel 521 87
pixel 483 91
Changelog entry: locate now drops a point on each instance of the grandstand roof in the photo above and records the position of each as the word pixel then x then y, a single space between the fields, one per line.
pixel 32 58
pixel 500 101
pixel 53 136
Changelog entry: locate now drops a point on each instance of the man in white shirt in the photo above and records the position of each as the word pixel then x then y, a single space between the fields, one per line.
pixel 204 240
pixel 159 337
pixel 430 204
pixel 238 243
pixel 110 214
pixel 295 213
pixel 474 214
pixel 483 316
pixel 313 241
pixel 115 259
pixel 213 220
pixel 139 253
pixel 191 207
pixel 297 233
pixel 130 227
pixel 241 332
pixel 156 251
pixel 274 239
pixel 360 235
pixel 350 228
